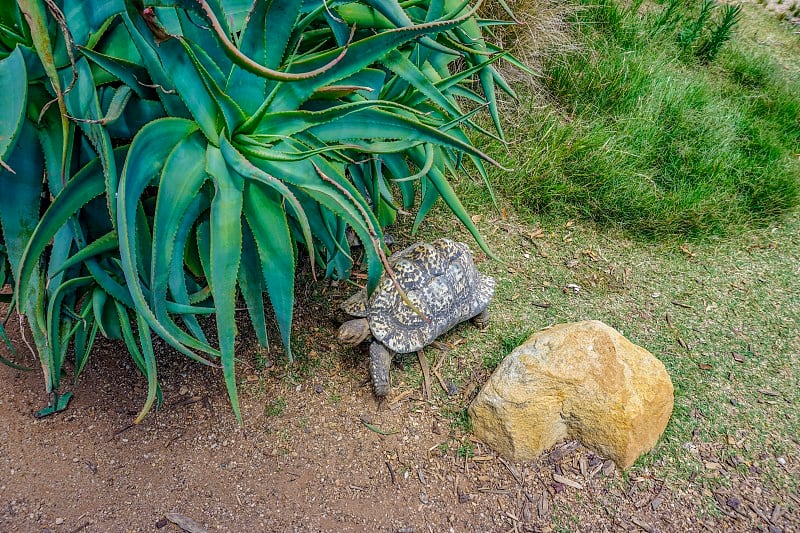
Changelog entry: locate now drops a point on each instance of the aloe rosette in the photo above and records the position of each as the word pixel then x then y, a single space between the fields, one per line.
pixel 184 153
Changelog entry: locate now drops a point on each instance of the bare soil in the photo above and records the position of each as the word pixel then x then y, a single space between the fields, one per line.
pixel 311 456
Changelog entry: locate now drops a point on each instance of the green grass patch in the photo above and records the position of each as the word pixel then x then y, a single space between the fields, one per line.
pixel 640 131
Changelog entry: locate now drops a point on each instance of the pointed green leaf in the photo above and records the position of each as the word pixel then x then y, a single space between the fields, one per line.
pixel 13 80
pixel 225 254
pixel 265 215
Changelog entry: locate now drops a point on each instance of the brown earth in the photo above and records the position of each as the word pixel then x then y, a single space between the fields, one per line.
pixel 309 457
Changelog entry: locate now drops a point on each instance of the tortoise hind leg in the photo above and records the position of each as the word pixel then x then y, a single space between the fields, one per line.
pixel 380 361
pixel 481 320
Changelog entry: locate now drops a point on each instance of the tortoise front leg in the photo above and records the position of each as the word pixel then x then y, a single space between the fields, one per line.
pixel 481 320
pixel 380 360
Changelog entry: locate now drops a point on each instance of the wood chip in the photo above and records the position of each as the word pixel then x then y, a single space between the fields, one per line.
pixel 681 304
pixel 642 524
pixel 656 502
pixel 595 470
pixel 513 469
pixel 761 515
pixel 567 481
pixel 608 468
pixel 562 451
pixel 583 462
pixel 544 504
pixel 768 392
pixel 186 523
pixel 421 476
pixel 739 358
pixel 400 397
pixel 490 490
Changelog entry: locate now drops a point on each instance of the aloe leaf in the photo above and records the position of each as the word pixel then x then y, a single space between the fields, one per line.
pixel 406 69
pixel 248 63
pixel 363 16
pixel 19 212
pixel 36 18
pixel 177 276
pixel 109 324
pixel 102 245
pixel 13 80
pixel 332 190
pixel 359 56
pixel 149 359
pixel 85 22
pixel 392 10
pixel 144 163
pixel 85 335
pixel 451 199
pixel 287 123
pixel 397 166
pixel 377 123
pixel 265 38
pixel 225 255
pixel 231 112
pixel 252 287
pixel 82 102
pixel 54 321
pixel 190 87
pixel 250 171
pixel 127 72
pixel 148 51
pixel 267 220
pixel 180 181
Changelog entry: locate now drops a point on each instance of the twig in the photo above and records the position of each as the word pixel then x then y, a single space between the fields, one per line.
pixel 391 472
pixel 426 374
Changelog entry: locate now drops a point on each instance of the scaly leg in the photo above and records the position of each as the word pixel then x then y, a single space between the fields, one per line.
pixel 380 360
pixel 481 320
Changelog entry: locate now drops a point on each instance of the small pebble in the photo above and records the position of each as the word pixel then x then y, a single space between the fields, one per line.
pixel 782 461
pixel 59 521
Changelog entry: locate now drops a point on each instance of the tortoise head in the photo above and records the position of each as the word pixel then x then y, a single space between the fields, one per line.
pixel 353 332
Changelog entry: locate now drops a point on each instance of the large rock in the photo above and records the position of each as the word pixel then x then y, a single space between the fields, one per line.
pixel 575 381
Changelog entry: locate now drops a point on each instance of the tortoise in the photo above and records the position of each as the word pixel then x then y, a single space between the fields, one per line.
pixel 442 283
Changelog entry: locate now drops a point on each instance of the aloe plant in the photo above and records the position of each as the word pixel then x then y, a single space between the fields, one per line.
pixel 186 152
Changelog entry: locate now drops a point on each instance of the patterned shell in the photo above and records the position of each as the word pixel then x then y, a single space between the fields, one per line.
pixel 440 279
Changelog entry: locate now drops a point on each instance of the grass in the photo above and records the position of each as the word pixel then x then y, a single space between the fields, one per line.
pixel 636 139
pixel 720 315
pixel 697 153
pixel 638 133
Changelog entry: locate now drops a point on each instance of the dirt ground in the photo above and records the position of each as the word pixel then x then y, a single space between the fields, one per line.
pixel 311 456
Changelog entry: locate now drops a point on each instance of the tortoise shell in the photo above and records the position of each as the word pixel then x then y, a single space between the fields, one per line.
pixel 440 280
